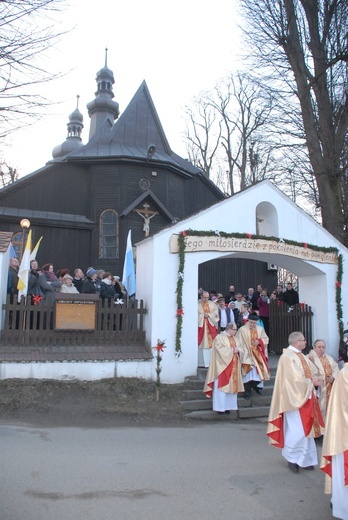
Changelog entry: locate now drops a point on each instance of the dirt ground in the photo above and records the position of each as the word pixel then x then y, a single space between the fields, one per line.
pixel 105 403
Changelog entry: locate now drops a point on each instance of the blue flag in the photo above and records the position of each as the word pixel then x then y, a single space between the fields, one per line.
pixel 128 278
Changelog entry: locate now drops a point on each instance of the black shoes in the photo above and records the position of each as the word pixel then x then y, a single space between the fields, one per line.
pixel 247 390
pixel 293 467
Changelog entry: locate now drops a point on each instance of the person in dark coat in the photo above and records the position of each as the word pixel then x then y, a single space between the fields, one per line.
pixel 290 297
pixel 89 285
pixel 226 314
pixel 49 283
pixel 34 289
pixel 78 279
pixel 13 278
pixel 231 295
pixel 107 288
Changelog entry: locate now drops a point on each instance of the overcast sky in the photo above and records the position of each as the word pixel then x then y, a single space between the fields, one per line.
pixel 179 50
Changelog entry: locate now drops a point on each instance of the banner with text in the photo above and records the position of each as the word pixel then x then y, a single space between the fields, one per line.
pixel 196 244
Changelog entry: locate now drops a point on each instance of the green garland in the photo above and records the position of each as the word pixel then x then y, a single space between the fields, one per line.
pixel 180 282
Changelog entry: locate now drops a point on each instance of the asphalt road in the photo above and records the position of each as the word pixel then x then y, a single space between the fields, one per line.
pixel 198 473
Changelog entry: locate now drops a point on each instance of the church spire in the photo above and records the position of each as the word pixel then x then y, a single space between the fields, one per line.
pixel 73 140
pixel 103 107
pixel 75 121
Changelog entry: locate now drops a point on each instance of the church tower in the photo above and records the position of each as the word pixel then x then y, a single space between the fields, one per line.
pixel 73 141
pixel 103 108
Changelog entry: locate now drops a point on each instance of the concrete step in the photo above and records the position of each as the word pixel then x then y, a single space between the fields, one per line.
pixel 206 403
pixel 209 415
pixel 190 394
pixel 194 384
pixel 250 412
pixel 196 404
pixel 199 407
pixel 253 412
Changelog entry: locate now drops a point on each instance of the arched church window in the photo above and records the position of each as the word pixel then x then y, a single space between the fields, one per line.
pixel 108 234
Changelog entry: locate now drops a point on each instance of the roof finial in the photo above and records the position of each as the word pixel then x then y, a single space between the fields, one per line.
pixel 106 57
pixel 77 103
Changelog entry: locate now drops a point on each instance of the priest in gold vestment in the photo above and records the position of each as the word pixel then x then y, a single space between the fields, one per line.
pixel 334 460
pixel 208 319
pixel 253 342
pixel 294 417
pixel 327 370
pixel 224 377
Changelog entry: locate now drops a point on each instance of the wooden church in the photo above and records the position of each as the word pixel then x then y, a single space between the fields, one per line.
pixel 84 200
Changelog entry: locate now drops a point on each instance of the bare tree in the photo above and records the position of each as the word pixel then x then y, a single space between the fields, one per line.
pixel 8 174
pixel 202 139
pixel 300 47
pixel 233 116
pixel 27 32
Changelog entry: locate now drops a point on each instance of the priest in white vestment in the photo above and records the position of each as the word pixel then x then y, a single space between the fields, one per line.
pixel 224 377
pixel 335 446
pixel 295 418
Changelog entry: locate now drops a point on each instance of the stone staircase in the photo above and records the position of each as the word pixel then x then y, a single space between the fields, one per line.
pixel 197 406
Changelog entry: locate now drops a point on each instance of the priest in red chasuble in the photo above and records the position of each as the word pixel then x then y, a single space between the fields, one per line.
pixel 295 418
pixel 208 319
pixel 224 377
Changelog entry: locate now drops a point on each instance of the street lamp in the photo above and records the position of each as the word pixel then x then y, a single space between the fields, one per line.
pixel 25 224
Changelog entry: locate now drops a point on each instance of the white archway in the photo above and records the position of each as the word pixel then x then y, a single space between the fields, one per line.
pixel 157 272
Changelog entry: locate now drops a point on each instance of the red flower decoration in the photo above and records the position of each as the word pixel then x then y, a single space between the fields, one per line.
pixel 248 235
pixel 338 284
pixel 36 299
pixel 160 346
pixel 305 245
pixel 180 312
pixel 183 233
pixel 278 303
pixel 302 305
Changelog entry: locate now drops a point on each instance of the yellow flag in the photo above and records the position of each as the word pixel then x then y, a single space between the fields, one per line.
pixel 24 268
pixel 35 250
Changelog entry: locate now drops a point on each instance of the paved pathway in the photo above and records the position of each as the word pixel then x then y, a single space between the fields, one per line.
pixel 198 472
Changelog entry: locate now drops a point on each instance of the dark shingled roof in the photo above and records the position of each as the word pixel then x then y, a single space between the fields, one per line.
pixel 130 137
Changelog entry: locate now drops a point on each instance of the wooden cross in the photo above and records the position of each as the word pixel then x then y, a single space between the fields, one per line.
pixel 147 216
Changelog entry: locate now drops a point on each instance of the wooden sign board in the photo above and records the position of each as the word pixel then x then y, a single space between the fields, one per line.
pixel 76 312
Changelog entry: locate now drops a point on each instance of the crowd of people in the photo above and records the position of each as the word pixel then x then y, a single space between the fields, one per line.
pixel 44 282
pixel 236 306
pixel 309 404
